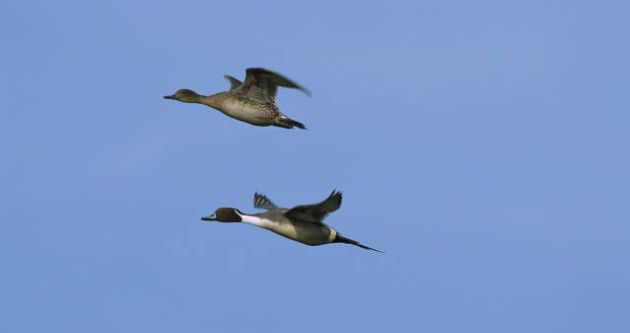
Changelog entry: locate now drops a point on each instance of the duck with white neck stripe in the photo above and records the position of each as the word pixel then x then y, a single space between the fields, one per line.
pixel 302 223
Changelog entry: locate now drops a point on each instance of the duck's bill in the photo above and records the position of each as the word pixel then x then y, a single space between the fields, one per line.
pixel 209 218
pixel 170 97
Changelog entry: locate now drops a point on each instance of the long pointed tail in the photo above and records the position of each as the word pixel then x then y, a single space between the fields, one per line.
pixel 346 240
pixel 287 122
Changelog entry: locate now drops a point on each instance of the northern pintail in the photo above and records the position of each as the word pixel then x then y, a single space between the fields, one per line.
pixel 301 223
pixel 252 101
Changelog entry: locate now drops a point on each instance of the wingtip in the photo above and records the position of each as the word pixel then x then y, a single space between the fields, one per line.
pixel 335 192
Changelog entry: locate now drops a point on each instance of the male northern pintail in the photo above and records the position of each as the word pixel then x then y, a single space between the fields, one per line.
pixel 301 223
pixel 252 101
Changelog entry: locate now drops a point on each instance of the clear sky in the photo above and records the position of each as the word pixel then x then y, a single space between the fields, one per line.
pixel 483 145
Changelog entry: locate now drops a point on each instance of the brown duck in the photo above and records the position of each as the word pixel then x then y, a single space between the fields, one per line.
pixel 252 101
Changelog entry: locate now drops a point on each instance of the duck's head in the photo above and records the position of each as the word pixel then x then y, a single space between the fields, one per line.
pixel 184 95
pixel 225 215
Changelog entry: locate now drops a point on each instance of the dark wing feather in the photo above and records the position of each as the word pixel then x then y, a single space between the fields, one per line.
pixel 261 201
pixel 316 212
pixel 268 81
pixel 234 83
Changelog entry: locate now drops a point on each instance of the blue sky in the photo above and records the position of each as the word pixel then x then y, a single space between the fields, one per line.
pixel 483 145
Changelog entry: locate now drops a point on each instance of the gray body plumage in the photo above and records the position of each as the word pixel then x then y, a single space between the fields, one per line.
pixel 296 229
pixel 302 223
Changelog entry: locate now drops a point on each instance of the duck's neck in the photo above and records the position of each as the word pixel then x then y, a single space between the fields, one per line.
pixel 254 220
pixel 213 101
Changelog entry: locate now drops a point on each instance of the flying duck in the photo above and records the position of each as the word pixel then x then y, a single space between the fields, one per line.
pixel 301 223
pixel 252 101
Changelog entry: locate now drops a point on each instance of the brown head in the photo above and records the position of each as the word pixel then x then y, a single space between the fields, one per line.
pixel 224 214
pixel 185 95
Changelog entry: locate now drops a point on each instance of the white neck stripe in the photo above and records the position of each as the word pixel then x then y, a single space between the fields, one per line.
pixel 255 220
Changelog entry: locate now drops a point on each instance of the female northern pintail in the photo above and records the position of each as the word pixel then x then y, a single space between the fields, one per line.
pixel 252 101
pixel 300 223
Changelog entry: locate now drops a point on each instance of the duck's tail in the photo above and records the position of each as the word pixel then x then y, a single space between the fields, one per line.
pixel 346 240
pixel 286 122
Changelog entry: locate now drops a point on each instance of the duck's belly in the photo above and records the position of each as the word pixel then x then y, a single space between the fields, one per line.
pixel 250 113
pixel 308 233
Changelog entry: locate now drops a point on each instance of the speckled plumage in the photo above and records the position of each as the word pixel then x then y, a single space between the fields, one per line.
pixel 252 101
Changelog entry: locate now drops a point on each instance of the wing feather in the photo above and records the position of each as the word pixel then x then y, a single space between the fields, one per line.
pixel 234 83
pixel 268 81
pixel 261 201
pixel 317 212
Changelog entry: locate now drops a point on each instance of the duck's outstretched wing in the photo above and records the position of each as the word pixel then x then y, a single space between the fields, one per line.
pixel 234 83
pixel 317 212
pixel 261 201
pixel 260 80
